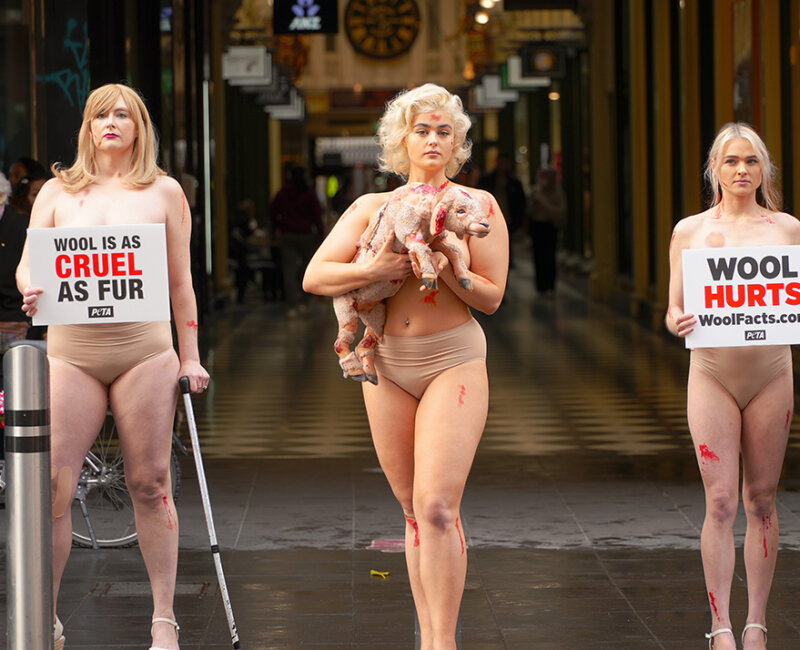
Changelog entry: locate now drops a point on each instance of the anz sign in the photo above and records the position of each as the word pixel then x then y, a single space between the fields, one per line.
pixel 305 17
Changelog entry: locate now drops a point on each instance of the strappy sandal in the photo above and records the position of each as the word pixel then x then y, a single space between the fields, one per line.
pixel 710 636
pixel 59 639
pixel 168 621
pixel 756 626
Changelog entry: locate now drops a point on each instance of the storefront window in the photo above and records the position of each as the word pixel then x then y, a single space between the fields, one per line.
pixel 15 85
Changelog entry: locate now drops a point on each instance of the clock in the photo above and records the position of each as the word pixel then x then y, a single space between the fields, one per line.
pixel 382 29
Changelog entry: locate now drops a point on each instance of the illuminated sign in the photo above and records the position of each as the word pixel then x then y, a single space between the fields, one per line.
pixel 305 17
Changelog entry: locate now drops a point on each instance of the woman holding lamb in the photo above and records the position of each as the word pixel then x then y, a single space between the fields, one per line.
pixel 429 407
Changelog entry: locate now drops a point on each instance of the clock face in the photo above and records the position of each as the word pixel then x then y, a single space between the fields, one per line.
pixel 382 29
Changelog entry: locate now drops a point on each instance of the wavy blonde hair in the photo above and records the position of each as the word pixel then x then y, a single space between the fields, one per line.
pixel 143 167
pixel 396 124
pixel 767 195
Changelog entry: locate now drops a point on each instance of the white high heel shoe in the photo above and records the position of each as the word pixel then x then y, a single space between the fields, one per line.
pixel 756 626
pixel 58 635
pixel 169 621
pixel 710 636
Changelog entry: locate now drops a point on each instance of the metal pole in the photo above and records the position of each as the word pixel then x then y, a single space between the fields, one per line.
pixel 29 547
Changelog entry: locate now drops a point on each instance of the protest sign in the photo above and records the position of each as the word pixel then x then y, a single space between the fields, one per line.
pixel 742 296
pixel 100 274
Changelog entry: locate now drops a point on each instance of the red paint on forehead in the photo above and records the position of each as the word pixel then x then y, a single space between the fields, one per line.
pixel 436 116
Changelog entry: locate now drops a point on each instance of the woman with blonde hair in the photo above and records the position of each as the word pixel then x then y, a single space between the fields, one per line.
pixel 131 366
pixel 428 410
pixel 740 399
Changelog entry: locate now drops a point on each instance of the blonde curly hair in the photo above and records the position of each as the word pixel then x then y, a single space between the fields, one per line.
pixel 768 194
pixel 396 124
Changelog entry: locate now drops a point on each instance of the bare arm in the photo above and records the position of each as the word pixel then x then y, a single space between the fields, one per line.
pixel 488 268
pixel 330 272
pixel 676 321
pixel 184 305
pixel 42 216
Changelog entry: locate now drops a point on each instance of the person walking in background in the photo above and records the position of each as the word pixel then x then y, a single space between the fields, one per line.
pixel 548 212
pixel 297 223
pixel 507 189
pixel 739 399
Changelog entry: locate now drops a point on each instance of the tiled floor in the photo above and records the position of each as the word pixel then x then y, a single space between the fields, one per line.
pixel 582 512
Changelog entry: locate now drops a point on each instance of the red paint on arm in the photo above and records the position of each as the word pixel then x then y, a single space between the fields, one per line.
pixel 430 299
pixel 193 325
pixel 413 523
pixel 713 600
pixel 707 455
pixel 461 538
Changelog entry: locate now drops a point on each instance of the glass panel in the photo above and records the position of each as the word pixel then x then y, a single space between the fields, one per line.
pixel 15 87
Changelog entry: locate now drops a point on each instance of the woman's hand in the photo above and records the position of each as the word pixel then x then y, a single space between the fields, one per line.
pixel 198 377
pixel 388 265
pixel 30 300
pixel 684 324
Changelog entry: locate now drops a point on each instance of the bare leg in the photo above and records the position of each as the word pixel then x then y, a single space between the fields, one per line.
pixel 715 425
pixel 78 403
pixel 449 425
pixel 391 412
pixel 765 433
pixel 143 402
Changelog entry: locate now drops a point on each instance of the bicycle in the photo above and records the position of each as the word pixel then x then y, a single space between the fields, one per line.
pixel 102 510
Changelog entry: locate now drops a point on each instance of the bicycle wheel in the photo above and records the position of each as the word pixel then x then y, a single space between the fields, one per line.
pixel 102 488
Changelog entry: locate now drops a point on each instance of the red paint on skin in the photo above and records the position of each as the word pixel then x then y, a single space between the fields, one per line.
pixel 413 524
pixel 713 600
pixel 491 209
pixel 672 241
pixel 707 455
pixel 119 174
pixel 462 391
pixel 171 523
pixel 769 219
pixel 80 203
pixel 788 418
pixel 436 116
pixel 766 524
pixel 186 211
pixel 431 297
pixel 193 325
pixel 460 538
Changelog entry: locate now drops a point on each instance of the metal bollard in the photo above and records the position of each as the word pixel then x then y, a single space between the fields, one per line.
pixel 29 547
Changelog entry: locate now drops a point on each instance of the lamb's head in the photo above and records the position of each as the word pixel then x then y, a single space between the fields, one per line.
pixel 461 213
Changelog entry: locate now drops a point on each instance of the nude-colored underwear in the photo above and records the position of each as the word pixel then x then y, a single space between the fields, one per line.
pixel 743 371
pixel 413 362
pixel 106 351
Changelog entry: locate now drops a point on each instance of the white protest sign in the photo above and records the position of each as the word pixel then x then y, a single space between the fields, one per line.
pixel 100 274
pixel 742 296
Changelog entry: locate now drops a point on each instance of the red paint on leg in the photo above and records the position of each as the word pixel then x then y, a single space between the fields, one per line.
pixel 713 600
pixel 170 521
pixel 707 455
pixel 430 299
pixel 461 538
pixel 413 523
pixel 766 524
pixel 193 325
pixel 462 390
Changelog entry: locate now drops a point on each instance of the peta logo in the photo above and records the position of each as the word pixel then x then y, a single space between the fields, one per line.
pixel 107 311
pixel 305 16
pixel 755 335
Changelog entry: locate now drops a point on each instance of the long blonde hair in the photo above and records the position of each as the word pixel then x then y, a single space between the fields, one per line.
pixel 396 124
pixel 143 167
pixel 767 195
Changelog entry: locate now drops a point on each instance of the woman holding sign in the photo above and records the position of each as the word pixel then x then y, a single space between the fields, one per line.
pixel 115 181
pixel 739 398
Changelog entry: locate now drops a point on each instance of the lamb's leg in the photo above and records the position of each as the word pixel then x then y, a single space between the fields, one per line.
pixel 460 269
pixel 419 249
pixel 374 318
pixel 347 317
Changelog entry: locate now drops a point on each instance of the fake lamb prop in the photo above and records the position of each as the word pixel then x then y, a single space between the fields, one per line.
pixel 419 215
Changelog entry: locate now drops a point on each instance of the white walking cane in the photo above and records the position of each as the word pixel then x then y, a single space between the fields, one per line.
pixel 183 382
